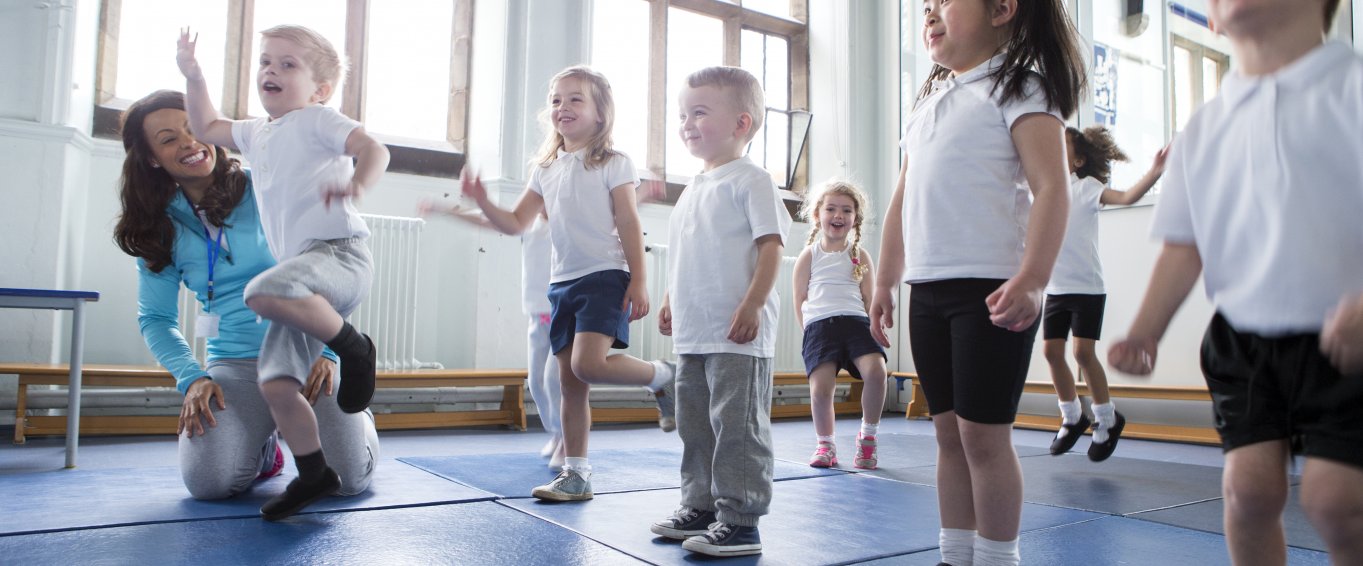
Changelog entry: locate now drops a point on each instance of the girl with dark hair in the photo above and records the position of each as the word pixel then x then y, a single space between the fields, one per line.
pixel 1075 296
pixel 189 218
pixel 961 229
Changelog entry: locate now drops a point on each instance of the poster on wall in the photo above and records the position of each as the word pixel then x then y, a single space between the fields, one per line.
pixel 1104 84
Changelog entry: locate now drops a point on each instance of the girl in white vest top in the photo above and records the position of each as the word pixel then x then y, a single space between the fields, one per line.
pixel 1075 296
pixel 832 292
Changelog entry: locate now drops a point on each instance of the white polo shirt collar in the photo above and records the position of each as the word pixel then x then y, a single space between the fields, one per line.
pixel 723 170
pixel 1237 87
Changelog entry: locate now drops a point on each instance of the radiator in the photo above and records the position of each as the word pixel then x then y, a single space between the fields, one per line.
pixel 646 343
pixel 388 315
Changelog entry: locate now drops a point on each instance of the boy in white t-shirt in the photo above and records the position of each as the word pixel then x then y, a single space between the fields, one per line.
pixel 725 241
pixel 1262 196
pixel 301 164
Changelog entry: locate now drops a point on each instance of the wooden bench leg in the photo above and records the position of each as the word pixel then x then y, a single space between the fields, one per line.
pixel 918 405
pixel 513 400
pixel 21 407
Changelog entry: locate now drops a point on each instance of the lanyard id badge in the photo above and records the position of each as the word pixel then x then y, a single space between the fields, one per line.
pixel 206 324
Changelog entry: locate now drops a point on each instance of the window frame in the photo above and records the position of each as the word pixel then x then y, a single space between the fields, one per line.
pixel 735 18
pixel 421 157
pixel 1199 53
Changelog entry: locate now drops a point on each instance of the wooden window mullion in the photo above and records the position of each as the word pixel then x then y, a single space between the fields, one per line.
pixel 460 47
pixel 657 85
pixel 356 38
pixel 238 63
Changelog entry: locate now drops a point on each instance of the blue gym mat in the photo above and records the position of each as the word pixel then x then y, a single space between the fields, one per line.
pixel 76 499
pixel 468 533
pixel 1207 516
pixel 513 475
pixel 1118 540
pixel 1118 486
pixel 897 453
pixel 825 520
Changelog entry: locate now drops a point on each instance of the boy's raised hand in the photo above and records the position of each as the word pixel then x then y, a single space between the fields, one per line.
pixel 1341 339
pixel 184 56
pixel 1133 355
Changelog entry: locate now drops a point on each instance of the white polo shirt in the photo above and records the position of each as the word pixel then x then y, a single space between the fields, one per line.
pixel 293 158
pixel 965 200
pixel 582 213
pixel 1267 181
pixel 712 257
pixel 1078 269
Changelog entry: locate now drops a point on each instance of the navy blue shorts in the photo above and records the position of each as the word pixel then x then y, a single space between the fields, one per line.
pixel 965 363
pixel 1080 314
pixel 590 303
pixel 841 340
pixel 1282 388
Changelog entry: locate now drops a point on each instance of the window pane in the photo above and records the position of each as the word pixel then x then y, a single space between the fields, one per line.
pixel 776 131
pixel 703 47
pixel 620 51
pixel 777 83
pixel 1135 83
pixel 397 100
pixel 326 17
pixel 1211 78
pixel 1183 86
pixel 146 45
pixel 773 7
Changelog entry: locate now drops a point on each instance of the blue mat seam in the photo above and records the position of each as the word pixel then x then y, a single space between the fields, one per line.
pixel 1167 507
pixel 577 532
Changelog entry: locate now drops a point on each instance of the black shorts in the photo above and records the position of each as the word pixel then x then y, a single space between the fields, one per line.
pixel 1282 389
pixel 1082 314
pixel 965 363
pixel 841 340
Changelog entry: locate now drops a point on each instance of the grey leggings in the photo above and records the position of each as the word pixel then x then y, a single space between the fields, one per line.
pixel 226 459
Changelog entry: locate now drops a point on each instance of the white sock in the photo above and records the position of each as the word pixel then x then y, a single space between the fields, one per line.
pixel 1070 411
pixel 869 429
pixel 828 439
pixel 579 464
pixel 1106 415
pixel 996 553
pixel 958 546
pixel 662 373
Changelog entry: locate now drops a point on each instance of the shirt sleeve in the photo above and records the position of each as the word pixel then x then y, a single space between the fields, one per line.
pixel 332 128
pixel 534 183
pixel 1033 102
pixel 241 135
pixel 1092 193
pixel 620 171
pixel 1173 220
pixel 766 212
pixel 158 316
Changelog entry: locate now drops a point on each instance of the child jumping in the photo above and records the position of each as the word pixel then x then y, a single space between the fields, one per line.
pixel 305 182
pixel 988 126
pixel 1263 197
pixel 724 244
pixel 832 294
pixel 596 283
pixel 1075 296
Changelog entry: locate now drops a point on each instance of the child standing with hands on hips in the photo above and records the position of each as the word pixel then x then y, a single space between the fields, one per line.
pixel 977 251
pixel 596 283
pixel 832 293
pixel 1075 296
pixel 304 180
pixel 1262 198
pixel 724 245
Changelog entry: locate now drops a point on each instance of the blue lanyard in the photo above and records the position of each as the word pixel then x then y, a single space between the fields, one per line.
pixel 213 249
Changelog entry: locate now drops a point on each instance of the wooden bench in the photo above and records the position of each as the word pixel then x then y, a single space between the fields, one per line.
pixel 510 412
pixel 918 409
pixel 851 406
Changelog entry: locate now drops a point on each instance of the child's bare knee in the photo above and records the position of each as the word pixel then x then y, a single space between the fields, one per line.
pixel 1336 513
pixel 1250 499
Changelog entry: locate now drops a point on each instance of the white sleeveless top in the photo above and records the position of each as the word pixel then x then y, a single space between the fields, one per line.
pixel 832 291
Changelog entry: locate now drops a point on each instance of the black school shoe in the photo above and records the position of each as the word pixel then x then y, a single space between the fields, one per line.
pixel 1072 432
pixel 725 539
pixel 686 522
pixel 357 380
pixel 1099 451
pixel 299 495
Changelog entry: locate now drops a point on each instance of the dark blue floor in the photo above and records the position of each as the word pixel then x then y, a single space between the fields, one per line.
pixel 456 497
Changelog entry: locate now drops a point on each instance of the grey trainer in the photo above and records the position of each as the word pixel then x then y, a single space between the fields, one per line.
pixel 569 485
